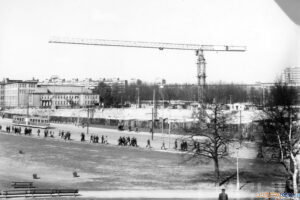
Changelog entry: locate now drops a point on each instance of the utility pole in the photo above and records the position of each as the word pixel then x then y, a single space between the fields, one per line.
pixel 88 121
pixel 153 113
pixel 138 97
pixel 237 170
pixel 263 96
pixel 169 132
pixel 163 109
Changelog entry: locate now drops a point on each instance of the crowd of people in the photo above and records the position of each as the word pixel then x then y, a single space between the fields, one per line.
pixel 181 145
pixel 94 138
pixel 17 130
pixel 66 135
pixel 127 141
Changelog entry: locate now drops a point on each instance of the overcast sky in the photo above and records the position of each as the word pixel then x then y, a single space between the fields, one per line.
pixel 26 26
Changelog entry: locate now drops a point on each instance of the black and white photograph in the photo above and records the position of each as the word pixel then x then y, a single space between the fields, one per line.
pixel 150 99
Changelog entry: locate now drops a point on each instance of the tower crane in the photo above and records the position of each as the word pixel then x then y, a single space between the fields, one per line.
pixel 199 49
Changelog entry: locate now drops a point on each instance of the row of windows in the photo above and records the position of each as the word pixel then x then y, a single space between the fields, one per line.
pixel 65 103
pixel 27 85
pixel 68 97
pixel 22 119
pixel 26 91
pixel 22 85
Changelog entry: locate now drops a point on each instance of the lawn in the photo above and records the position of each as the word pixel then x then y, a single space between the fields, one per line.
pixel 110 167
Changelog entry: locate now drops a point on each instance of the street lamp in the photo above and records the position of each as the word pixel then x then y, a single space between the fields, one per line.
pixel 237 170
pixel 169 131
pixel 163 109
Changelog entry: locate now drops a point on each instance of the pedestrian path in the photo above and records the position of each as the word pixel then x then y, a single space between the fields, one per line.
pixel 164 194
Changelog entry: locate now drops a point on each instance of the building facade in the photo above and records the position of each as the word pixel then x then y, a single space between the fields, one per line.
pixel 17 93
pixel 1 95
pixel 291 75
pixel 117 85
pixel 23 94
pixel 64 100
pixel 63 96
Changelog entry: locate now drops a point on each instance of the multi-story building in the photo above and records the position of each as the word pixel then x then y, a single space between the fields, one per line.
pixel 291 75
pixel 23 94
pixel 2 95
pixel 17 92
pixel 55 80
pixel 115 84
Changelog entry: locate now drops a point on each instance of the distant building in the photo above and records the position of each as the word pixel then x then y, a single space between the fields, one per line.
pixel 1 95
pixel 237 107
pixel 17 92
pixel 63 96
pixel 30 93
pixel 291 75
pixel 115 84
pixel 55 80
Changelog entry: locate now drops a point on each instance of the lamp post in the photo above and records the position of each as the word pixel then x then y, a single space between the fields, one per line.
pixel 237 169
pixel 163 108
pixel 169 131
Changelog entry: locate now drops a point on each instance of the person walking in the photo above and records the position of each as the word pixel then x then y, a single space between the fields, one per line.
pixel 163 146
pixel 102 139
pixel 82 137
pixel 148 144
pixel 223 195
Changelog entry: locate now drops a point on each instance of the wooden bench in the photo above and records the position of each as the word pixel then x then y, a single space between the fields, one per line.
pixel 22 184
pixel 38 192
pixel 13 193
pixel 59 192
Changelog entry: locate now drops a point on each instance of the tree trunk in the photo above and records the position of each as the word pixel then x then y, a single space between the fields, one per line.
pixel 295 175
pixel 217 171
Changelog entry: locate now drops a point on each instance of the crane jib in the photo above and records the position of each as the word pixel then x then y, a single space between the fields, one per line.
pixel 155 45
pixel 201 62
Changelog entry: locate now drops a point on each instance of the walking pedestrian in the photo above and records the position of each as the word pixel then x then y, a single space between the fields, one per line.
pixel 148 144
pixel 163 146
pixel 82 137
pixel 102 139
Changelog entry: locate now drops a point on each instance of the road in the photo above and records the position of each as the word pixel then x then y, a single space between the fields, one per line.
pixel 247 150
pixel 112 135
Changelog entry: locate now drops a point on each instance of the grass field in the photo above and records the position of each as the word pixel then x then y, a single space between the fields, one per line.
pixel 110 167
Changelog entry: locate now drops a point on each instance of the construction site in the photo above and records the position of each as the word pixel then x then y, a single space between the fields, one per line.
pixel 149 100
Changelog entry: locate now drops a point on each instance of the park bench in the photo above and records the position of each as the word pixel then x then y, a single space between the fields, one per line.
pixel 13 193
pixel 38 192
pixel 22 184
pixel 59 192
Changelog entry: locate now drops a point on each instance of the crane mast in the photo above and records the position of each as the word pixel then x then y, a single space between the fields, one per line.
pixel 199 49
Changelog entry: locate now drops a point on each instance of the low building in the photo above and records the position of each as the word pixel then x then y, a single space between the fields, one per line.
pixel 63 97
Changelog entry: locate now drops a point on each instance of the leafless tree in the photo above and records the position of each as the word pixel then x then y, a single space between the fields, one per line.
pixel 211 137
pixel 281 131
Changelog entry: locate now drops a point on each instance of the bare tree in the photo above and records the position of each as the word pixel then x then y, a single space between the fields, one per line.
pixel 281 131
pixel 211 137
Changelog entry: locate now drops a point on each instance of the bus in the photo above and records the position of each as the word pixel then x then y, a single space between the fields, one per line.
pixel 38 122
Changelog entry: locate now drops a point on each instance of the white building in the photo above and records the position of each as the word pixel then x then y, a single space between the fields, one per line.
pixel 291 75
